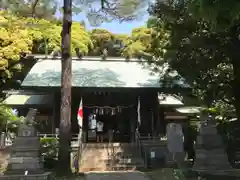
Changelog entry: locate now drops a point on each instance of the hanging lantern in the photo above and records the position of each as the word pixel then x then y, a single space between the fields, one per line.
pixel 113 111
pixel 107 110
pixel 101 111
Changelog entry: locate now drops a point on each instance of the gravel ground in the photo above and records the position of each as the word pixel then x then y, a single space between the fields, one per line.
pixel 135 175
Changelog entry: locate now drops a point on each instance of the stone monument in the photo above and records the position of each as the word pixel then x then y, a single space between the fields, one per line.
pixel 209 148
pixel 175 139
pixel 25 161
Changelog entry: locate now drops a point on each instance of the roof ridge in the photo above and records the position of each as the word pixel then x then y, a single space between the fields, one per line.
pixel 89 58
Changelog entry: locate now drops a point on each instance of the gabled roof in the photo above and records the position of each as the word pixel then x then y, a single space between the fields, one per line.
pixel 95 72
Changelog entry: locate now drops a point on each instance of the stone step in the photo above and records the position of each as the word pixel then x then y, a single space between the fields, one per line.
pixel 29 171
pixel 29 141
pixel 24 163
pixel 99 145
pixel 127 157
pixel 24 149
pixel 125 161
pixel 126 168
pixel 99 156
pixel 34 153
pixel 32 176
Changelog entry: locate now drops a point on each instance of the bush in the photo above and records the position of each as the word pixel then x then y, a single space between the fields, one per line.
pixel 49 150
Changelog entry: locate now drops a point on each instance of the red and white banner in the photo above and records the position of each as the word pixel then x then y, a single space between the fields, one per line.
pixel 80 114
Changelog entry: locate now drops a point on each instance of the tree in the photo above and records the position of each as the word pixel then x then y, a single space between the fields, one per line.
pixel 40 38
pixel 42 9
pixel 66 85
pixel 99 11
pixel 220 14
pixel 103 39
pixel 139 41
pixel 217 14
pixel 183 41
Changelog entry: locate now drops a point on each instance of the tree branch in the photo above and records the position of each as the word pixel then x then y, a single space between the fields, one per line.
pixel 34 4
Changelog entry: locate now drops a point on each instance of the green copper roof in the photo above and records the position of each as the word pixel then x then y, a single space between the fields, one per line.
pixel 94 73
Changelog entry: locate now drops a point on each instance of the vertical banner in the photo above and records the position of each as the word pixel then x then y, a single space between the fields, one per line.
pixel 80 114
pixel 80 123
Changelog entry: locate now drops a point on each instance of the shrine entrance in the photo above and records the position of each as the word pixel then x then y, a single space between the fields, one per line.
pixel 116 114
pixel 114 128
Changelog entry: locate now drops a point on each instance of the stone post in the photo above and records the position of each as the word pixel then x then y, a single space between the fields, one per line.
pixel 2 140
pixel 175 148
pixel 209 148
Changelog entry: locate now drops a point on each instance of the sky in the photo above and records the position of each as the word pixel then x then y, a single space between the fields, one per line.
pixel 115 26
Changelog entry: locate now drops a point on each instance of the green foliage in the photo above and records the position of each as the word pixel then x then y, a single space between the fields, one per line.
pixel 39 36
pixel 8 120
pixel 103 39
pixel 49 147
pixel 98 12
pixel 49 151
pixel 45 9
pixel 200 55
pixel 138 42
pixel 221 14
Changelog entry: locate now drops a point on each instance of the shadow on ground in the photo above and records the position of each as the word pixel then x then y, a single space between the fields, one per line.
pixel 124 175
pixel 181 174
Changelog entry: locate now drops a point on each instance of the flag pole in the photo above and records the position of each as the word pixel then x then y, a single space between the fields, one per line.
pixel 79 150
pixel 80 123
pixel 138 119
pixel 139 113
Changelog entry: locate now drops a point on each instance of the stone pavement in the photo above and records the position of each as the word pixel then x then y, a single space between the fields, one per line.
pixel 125 175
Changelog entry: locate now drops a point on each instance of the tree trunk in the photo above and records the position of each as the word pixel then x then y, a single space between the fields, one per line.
pixel 66 85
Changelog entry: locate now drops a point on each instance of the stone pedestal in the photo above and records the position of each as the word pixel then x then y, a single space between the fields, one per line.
pixel 25 161
pixel 210 152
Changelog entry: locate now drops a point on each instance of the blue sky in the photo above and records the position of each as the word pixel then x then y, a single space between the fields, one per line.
pixel 115 26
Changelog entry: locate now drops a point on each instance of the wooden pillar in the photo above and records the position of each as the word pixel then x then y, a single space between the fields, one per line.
pixel 152 122
pixel 133 129
pixel 162 121
pixel 56 105
pixel 53 113
pixel 155 104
